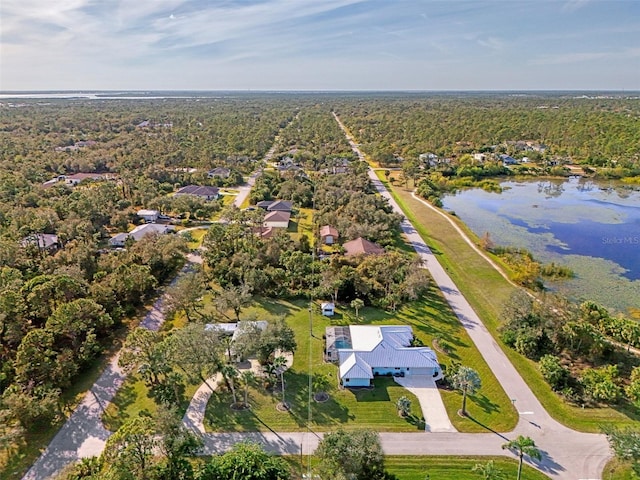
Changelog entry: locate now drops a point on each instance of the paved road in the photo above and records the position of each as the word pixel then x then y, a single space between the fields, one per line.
pixel 83 434
pixel 567 454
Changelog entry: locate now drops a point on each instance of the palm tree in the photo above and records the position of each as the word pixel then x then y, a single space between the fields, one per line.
pixel 247 378
pixel 488 470
pixel 467 381
pixel 404 406
pixel 523 446
pixel 357 304
pixel 280 365
pixel 230 373
pixel 320 385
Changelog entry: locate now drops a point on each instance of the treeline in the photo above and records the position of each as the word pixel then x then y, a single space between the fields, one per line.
pixel 603 132
pixel 314 140
pixel 177 133
pixel 580 350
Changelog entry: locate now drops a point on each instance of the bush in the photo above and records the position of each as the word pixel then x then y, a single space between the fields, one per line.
pixel 553 372
pixel 600 384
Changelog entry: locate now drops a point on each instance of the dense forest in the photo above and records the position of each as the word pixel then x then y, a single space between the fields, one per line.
pixel 594 131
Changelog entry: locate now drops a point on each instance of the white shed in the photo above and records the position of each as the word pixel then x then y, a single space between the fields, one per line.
pixel 149 216
pixel 328 309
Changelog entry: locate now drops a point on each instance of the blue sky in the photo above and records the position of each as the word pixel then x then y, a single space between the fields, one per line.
pixel 319 44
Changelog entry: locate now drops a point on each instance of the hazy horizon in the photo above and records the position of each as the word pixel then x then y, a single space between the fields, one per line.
pixel 329 45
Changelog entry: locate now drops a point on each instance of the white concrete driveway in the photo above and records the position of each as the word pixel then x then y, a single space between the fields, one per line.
pixel 433 411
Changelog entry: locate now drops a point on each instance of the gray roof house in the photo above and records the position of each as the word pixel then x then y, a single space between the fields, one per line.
pixel 43 241
pixel 205 192
pixel 140 232
pixel 275 205
pixel 221 172
pixel 366 351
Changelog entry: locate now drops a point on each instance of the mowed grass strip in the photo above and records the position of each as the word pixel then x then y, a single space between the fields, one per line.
pixel 453 467
pixel 487 292
pixel 430 318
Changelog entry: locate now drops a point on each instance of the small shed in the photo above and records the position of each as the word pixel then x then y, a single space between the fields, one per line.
pixel 328 309
pixel 149 216
pixel 328 234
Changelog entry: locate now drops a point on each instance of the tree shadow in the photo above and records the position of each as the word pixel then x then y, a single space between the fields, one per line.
pixel 486 427
pixel 546 464
pixel 416 421
pixel 125 397
pixel 377 393
pixel 326 413
pixel 485 403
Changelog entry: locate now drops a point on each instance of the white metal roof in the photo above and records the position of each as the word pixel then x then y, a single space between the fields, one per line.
pixel 387 346
pixel 145 212
pixel 353 366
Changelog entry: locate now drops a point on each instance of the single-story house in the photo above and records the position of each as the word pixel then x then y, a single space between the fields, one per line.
pixel 328 309
pixel 362 246
pixel 508 160
pixel 221 172
pixel 149 216
pixel 328 234
pixel 139 232
pixel 205 192
pixel 277 219
pixel 76 178
pixel 275 205
pixel 366 351
pixel 235 329
pixel 42 241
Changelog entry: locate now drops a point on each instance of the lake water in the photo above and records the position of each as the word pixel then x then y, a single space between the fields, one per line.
pixel 591 227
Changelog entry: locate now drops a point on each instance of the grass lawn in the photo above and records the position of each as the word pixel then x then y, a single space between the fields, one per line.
pixel 487 291
pixel 302 224
pixel 196 237
pixel 430 318
pixel 454 468
pixel 134 399
pixel 436 467
pixel 618 470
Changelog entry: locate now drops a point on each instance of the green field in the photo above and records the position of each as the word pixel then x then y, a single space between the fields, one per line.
pixel 435 467
pixel 430 318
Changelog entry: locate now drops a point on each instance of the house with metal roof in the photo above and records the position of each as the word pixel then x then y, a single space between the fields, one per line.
pixel 140 232
pixel 367 351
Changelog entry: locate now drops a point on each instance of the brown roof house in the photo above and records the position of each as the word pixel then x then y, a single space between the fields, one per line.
pixel 204 192
pixel 277 219
pixel 361 246
pixel 328 234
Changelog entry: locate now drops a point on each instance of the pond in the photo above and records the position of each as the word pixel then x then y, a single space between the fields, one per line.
pixel 591 227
